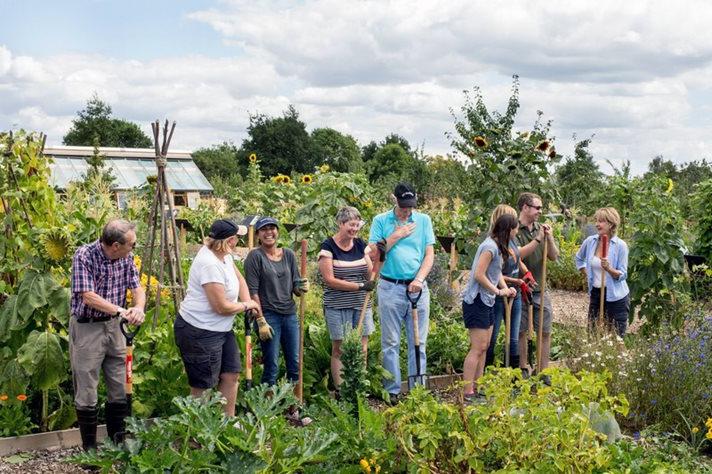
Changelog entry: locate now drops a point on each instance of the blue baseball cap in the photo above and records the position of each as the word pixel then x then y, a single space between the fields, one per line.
pixel 264 221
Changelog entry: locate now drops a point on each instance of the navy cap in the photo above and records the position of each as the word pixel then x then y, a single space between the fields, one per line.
pixel 405 195
pixel 224 228
pixel 266 220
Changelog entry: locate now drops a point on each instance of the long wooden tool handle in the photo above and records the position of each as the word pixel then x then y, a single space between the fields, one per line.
pixel 507 329
pixel 374 276
pixel 416 332
pixel 602 297
pixel 540 333
pixel 302 307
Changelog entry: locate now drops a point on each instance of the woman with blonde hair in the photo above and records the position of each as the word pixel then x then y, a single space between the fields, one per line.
pixel 614 267
pixel 203 326
pixel 513 267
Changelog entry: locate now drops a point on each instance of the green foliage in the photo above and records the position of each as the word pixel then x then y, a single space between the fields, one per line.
pixel 504 163
pixel 524 426
pixel 702 202
pixel 392 164
pixel 446 178
pixel 201 218
pixel 14 420
pixel 341 152
pixel 97 167
pixel 354 383
pixel 562 273
pixel 578 177
pixel 282 144
pixel 95 121
pixel 656 262
pixel 220 161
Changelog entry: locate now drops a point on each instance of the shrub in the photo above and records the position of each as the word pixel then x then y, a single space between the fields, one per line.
pixel 562 273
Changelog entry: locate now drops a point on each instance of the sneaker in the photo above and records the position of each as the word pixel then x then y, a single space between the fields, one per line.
pixel 394 399
pixel 525 373
pixel 546 380
pixel 475 398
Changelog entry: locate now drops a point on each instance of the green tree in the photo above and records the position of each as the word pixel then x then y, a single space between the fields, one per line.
pixel 392 164
pixel 95 121
pixel 97 172
pixel 282 144
pixel 339 151
pixel 220 161
pixel 578 177
pixel 504 163
pixel 446 178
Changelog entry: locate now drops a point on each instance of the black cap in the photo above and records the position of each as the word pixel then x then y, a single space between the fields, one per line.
pixel 224 228
pixel 405 195
pixel 266 220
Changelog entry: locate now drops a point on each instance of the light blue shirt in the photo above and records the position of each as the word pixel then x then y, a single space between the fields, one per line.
pixel 493 273
pixel 616 289
pixel 403 260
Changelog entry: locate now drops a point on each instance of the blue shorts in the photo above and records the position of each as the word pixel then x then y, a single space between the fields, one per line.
pixel 340 321
pixel 478 315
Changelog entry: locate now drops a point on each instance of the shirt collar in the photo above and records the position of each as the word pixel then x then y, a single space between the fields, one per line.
pixel 97 249
pixel 395 217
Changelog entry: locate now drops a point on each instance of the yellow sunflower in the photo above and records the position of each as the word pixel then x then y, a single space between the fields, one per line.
pixel 286 180
pixel 253 158
pixel 307 179
pixel 552 153
pixel 542 146
pixel 481 141
pixel 56 245
pixel 324 168
pixel 670 186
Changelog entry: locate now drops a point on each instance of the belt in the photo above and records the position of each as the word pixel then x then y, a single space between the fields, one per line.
pixel 396 281
pixel 98 319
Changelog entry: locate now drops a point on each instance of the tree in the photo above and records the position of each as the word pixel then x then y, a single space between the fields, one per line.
pixel 95 121
pixel 339 151
pixel 504 163
pixel 281 144
pixel 97 171
pixel 446 178
pixel 392 164
pixel 578 177
pixel 370 150
pixel 219 161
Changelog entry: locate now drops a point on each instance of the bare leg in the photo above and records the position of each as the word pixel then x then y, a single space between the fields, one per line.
pixel 474 362
pixel 336 363
pixel 228 388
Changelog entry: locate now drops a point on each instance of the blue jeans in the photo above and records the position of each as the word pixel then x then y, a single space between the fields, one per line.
pixel 395 311
pixel 514 331
pixel 286 334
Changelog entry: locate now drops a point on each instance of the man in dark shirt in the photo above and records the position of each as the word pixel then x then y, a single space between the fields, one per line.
pixel 102 272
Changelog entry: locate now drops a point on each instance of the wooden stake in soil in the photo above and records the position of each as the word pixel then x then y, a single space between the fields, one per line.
pixel 302 307
pixel 540 332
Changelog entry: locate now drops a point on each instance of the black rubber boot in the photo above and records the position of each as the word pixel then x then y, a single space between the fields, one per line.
pixel 115 424
pixel 514 361
pixel 87 419
pixel 489 360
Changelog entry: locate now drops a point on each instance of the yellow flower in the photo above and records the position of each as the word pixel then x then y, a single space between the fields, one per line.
pixel 364 465
pixel 22 397
pixel 695 430
pixel 481 141
pixel 253 158
pixel 3 397
pixel 708 423
pixel 709 435
pixel 286 180
pixel 670 186
pixel 324 168
pixel 56 245
pixel 307 179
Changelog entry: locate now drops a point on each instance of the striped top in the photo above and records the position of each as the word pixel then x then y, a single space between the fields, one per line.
pixel 349 266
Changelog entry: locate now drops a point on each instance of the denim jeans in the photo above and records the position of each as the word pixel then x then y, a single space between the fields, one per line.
pixel 286 335
pixel 395 311
pixel 514 330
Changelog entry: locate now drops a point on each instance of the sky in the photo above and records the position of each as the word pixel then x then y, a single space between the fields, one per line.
pixel 636 76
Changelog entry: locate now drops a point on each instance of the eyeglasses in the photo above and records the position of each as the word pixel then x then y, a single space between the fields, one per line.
pixel 538 208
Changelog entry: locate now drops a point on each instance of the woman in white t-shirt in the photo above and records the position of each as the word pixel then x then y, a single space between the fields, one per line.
pixel 203 325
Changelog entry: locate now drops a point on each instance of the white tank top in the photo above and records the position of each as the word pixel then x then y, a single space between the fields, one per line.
pixel 597 271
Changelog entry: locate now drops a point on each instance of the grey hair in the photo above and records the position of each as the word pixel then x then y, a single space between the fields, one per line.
pixel 115 231
pixel 346 214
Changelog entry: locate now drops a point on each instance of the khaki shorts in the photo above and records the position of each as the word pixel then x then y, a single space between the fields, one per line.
pixel 536 299
pixel 94 346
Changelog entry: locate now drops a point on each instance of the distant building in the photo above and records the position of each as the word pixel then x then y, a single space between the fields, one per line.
pixel 130 168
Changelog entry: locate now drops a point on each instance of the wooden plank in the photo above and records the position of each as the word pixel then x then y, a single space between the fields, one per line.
pixel 50 440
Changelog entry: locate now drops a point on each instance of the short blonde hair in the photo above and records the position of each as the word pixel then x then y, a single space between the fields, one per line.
pixel 610 215
pixel 217 245
pixel 498 212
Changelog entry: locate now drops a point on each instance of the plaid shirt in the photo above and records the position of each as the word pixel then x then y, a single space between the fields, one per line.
pixel 93 271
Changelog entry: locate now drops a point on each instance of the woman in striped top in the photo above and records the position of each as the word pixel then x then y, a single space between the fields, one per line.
pixel 344 266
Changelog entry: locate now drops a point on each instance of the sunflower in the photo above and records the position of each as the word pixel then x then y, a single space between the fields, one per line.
pixel 481 141
pixel 542 146
pixel 56 245
pixel 253 158
pixel 307 179
pixel 324 168
pixel 552 153
pixel 669 187
pixel 286 180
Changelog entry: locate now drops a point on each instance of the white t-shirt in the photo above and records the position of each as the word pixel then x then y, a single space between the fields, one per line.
pixel 597 271
pixel 195 309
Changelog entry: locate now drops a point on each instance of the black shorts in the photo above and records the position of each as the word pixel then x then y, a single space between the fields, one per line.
pixel 206 354
pixel 478 315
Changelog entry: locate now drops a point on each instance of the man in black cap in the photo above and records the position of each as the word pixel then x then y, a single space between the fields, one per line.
pixel 407 237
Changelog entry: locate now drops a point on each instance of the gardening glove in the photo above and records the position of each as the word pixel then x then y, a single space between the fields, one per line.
pixel 526 292
pixel 367 285
pixel 301 285
pixel 265 330
pixel 529 280
pixel 381 246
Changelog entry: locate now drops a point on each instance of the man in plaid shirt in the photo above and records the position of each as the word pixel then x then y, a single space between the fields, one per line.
pixel 102 272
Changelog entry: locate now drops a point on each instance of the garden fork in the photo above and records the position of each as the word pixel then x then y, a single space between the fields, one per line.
pixel 419 377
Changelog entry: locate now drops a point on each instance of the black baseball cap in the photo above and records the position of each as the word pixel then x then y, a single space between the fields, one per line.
pixel 264 221
pixel 224 228
pixel 405 195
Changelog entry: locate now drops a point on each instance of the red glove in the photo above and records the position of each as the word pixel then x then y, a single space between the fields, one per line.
pixel 529 280
pixel 526 292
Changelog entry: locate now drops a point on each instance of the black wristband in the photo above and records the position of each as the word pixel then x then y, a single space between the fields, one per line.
pixel 539 241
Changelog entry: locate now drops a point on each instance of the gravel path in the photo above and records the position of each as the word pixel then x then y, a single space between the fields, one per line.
pixel 45 461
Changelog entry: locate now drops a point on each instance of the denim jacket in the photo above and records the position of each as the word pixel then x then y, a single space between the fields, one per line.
pixel 616 289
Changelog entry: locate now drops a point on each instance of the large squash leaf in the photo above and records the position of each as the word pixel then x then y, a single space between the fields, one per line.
pixel 41 356
pixel 33 292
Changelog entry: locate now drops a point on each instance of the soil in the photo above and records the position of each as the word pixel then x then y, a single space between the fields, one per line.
pixel 45 461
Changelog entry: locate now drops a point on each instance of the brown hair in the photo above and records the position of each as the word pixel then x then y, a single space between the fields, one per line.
pixel 526 198
pixel 500 233
pixel 499 211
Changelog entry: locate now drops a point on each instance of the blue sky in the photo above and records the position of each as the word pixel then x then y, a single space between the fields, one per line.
pixel 635 75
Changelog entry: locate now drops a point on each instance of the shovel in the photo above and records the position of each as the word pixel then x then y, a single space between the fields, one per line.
pixel 540 332
pixel 602 300
pixel 419 377
pixel 129 335
pixel 507 328
pixel 374 276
